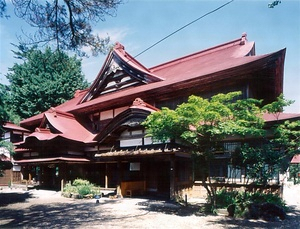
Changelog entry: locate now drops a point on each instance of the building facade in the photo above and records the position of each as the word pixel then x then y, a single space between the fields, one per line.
pixel 12 133
pixel 98 135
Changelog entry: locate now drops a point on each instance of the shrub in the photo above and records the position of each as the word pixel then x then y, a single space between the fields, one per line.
pixel 224 198
pixel 242 200
pixel 81 182
pixel 84 190
pixel 80 188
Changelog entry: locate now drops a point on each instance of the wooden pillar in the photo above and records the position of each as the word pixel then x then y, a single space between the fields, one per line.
pixel 11 176
pixel 63 171
pixel 119 165
pixel 106 175
pixel 172 177
pixel 62 185
pixel 63 175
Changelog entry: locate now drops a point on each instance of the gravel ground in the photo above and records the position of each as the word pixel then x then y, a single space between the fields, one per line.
pixel 48 209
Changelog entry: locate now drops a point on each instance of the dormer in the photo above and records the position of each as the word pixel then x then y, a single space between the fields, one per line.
pixel 119 71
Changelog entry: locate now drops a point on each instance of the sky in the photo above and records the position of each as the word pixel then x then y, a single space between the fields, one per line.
pixel 139 24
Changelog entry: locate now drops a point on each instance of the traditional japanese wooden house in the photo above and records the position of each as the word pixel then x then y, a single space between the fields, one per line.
pixel 12 172
pixel 98 135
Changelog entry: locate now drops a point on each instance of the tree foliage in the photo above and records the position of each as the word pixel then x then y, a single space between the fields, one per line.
pixel 273 4
pixel 204 124
pixel 3 117
pixel 201 124
pixel 2 8
pixel 287 136
pixel 45 79
pixel 65 23
pixel 273 153
pixel 3 110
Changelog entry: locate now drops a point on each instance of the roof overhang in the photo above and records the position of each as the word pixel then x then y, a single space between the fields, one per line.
pixel 52 160
pixel 142 153
pixel 234 72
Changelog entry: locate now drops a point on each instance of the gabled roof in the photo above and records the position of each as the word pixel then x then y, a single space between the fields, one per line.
pixel 12 126
pixel 210 60
pixel 296 159
pixel 119 71
pixel 228 63
pixel 131 117
pixel 64 107
pixel 56 123
pixel 189 79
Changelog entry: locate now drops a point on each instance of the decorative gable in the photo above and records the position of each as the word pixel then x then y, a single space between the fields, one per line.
pixel 120 71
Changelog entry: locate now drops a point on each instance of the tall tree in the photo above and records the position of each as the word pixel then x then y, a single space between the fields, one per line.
pixel 3 109
pixel 43 80
pixel 201 124
pixel 272 154
pixel 67 24
pixel 4 117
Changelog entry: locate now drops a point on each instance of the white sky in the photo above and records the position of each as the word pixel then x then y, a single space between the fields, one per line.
pixel 141 23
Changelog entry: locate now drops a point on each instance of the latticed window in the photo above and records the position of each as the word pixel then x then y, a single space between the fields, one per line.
pixel 231 146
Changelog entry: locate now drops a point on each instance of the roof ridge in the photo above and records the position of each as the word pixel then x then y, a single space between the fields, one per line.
pixel 239 41
pixel 119 49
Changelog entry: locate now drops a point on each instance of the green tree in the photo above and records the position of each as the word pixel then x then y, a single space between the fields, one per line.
pixel 3 111
pixel 6 114
pixel 273 4
pixel 273 153
pixel 43 80
pixel 3 117
pixel 66 24
pixel 201 124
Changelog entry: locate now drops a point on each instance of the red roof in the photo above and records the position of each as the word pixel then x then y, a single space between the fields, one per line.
pixel 296 159
pixel 65 126
pixel 65 107
pixel 280 116
pixel 212 65
pixel 120 51
pixel 140 104
pixel 12 126
pixel 207 61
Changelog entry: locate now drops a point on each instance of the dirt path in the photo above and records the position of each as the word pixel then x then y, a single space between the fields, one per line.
pixel 47 209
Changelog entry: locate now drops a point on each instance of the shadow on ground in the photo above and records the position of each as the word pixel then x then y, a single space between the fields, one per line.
pixel 114 213
pixel 169 207
pixel 292 221
pixel 12 198
pixel 69 215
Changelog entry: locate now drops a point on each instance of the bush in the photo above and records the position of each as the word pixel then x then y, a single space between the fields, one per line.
pixel 81 182
pixel 224 198
pixel 80 188
pixel 242 200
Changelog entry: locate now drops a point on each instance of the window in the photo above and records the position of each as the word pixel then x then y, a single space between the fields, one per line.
pixel 231 146
pixel 135 166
